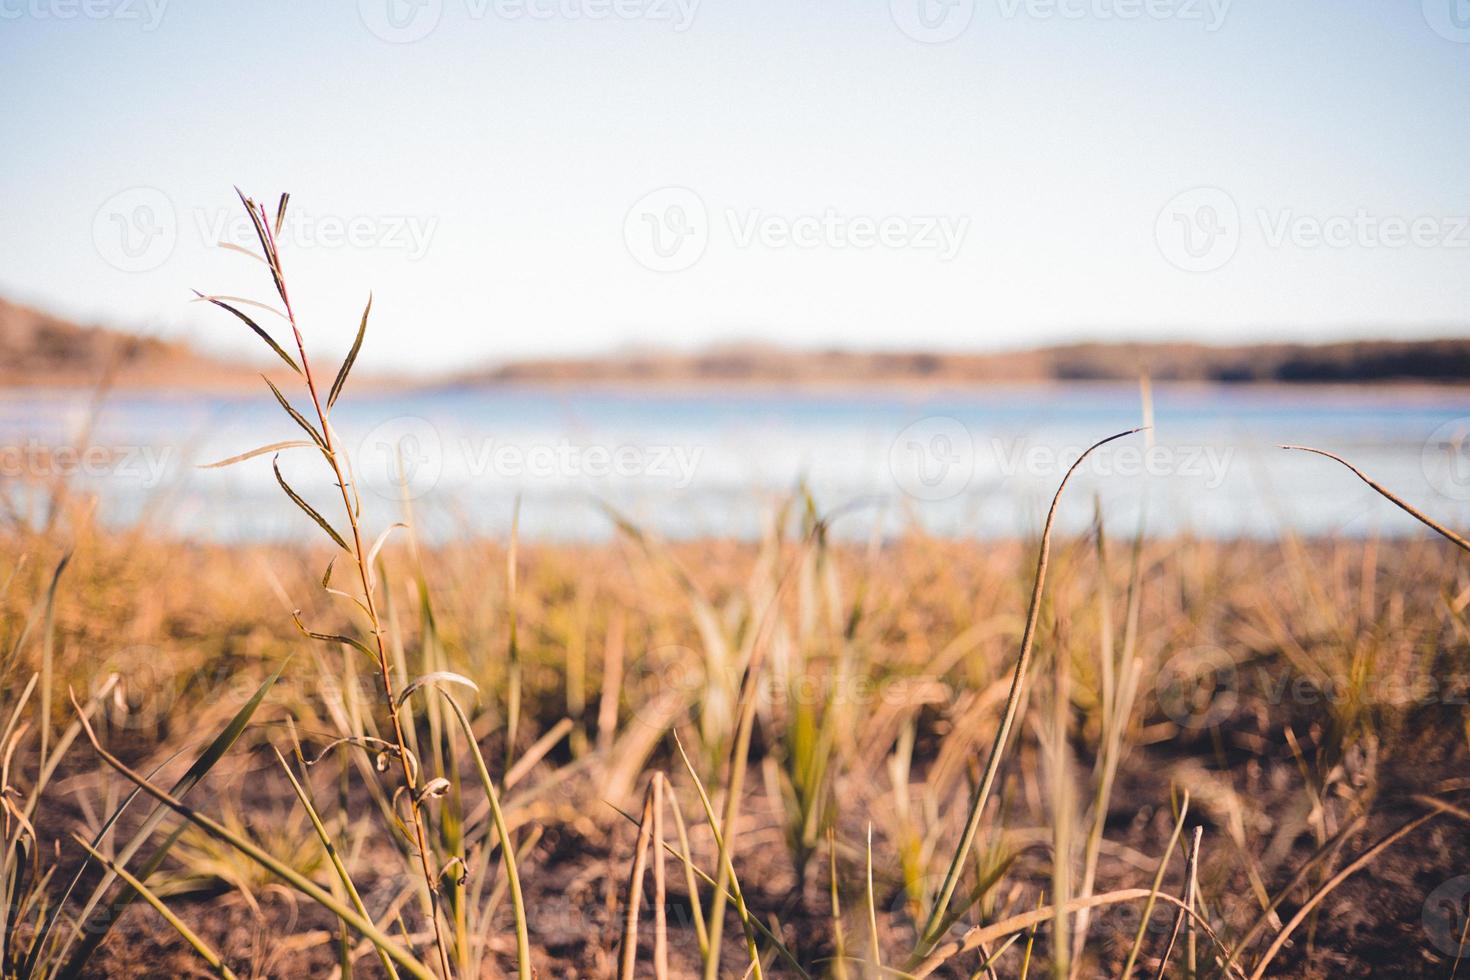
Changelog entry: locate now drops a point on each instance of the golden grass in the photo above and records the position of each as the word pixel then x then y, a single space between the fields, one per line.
pixel 426 763
pixel 1357 648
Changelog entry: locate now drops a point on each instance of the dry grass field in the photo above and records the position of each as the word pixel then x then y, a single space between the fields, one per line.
pixel 1307 701
pixel 1072 756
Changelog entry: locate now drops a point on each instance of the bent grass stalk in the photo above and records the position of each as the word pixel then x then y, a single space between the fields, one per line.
pixel 1390 496
pixel 981 935
pixel 934 927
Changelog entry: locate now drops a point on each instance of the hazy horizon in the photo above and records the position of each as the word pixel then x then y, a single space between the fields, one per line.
pixel 527 178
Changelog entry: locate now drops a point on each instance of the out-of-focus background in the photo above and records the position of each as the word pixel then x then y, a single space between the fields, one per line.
pixel 721 364
pixel 674 256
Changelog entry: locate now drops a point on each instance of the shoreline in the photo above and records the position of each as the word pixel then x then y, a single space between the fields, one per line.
pixel 375 386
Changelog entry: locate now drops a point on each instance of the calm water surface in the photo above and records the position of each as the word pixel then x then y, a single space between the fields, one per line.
pixel 960 463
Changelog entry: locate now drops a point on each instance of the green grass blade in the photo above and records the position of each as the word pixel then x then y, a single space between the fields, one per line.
pixel 727 871
pixel 507 848
pixel 205 951
pixel 307 508
pixel 254 852
pixel 96 930
pixel 259 330
pixel 341 378
pixel 332 855
pixel 296 416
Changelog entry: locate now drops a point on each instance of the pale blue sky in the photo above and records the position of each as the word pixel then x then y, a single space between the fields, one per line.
pixel 489 168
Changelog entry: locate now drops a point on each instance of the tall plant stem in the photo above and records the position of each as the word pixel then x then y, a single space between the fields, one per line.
pixel 370 605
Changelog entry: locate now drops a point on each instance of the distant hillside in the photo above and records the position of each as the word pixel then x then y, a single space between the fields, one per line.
pixel 37 348
pixel 1433 361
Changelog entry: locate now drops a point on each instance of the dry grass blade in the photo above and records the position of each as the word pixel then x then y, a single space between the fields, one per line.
pixel 265 859
pixel 1392 498
pixel 512 646
pixel 434 679
pixel 274 447
pixel 932 928
pixel 628 954
pixel 740 751
pixel 307 509
pixel 765 931
pixel 331 851
pixel 660 886
pixel 249 322
pixel 981 935
pixel 1158 882
pixel 346 367
pixel 48 654
pixel 331 637
pixel 205 951
pixel 507 845
pixel 537 751
pixel 725 874
pixel 1186 906
pixel 296 416
pixel 875 950
pixel 95 929
pixel 687 858
pixel 1443 806
pixel 1352 868
pixel 839 938
pixel 1331 847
